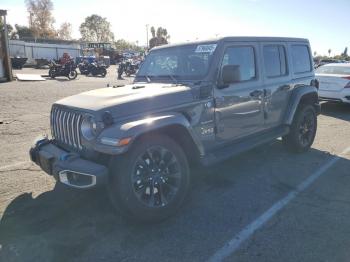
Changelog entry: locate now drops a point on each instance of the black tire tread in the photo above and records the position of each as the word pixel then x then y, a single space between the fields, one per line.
pixel 291 141
pixel 122 165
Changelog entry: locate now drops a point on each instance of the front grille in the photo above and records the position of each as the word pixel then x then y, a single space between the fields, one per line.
pixel 65 127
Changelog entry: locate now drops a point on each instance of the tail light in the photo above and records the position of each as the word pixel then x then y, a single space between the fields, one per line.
pixel 348 84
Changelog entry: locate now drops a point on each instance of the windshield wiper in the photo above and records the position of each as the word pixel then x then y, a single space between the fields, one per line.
pixel 147 78
pixel 174 79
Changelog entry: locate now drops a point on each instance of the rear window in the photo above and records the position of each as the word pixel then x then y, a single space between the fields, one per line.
pixel 335 70
pixel 275 60
pixel 301 59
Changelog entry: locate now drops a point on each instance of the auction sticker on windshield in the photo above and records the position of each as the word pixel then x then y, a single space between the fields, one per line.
pixel 205 48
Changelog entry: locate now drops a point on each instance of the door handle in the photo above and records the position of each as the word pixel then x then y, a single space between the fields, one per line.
pixel 256 93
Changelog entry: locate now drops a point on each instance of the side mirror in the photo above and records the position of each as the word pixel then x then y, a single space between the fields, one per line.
pixel 230 74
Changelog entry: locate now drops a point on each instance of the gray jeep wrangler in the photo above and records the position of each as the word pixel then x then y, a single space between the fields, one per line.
pixel 199 102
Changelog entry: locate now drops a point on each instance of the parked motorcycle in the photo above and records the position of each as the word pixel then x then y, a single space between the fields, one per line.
pixel 67 70
pixel 128 67
pixel 98 69
pixel 94 68
pixel 84 67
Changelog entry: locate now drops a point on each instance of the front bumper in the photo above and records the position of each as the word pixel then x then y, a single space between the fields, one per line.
pixel 67 167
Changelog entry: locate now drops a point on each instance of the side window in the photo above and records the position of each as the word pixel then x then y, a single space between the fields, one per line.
pixel 244 57
pixel 301 59
pixel 275 60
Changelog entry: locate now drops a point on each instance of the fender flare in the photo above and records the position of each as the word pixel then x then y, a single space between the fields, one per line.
pixel 296 97
pixel 136 127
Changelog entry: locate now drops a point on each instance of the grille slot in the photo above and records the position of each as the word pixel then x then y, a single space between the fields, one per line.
pixel 65 127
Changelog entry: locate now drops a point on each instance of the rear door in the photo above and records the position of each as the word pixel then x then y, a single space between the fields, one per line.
pixel 239 107
pixel 277 81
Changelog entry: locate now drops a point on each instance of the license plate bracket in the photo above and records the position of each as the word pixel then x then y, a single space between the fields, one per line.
pixel 46 159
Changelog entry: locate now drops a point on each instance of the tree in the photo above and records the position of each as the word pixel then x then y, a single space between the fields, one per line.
pixel 315 53
pixel 9 27
pixel 153 32
pixel 23 31
pixel 329 52
pixel 345 53
pixel 159 37
pixel 122 45
pixel 65 31
pixel 96 29
pixel 40 18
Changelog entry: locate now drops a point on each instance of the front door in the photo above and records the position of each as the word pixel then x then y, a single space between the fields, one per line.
pixel 239 107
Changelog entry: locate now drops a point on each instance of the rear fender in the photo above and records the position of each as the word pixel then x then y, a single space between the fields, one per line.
pixel 302 94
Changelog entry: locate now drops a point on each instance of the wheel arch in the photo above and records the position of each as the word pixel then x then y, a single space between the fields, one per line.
pixel 301 96
pixel 180 135
pixel 174 125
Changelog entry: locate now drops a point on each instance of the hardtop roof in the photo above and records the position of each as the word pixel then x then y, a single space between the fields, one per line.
pixel 237 39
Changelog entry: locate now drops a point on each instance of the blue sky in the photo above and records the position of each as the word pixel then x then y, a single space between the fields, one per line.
pixel 324 23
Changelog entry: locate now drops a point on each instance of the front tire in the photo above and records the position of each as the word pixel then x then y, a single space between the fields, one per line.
pixel 52 73
pixel 72 75
pixel 151 181
pixel 303 130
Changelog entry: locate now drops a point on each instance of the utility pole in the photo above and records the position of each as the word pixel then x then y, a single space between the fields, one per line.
pixel 147 25
pixel 7 61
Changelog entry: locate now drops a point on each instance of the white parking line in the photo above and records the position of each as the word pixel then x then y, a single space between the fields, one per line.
pixel 18 164
pixel 231 246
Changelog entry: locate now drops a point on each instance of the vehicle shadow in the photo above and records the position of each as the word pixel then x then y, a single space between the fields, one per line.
pixel 336 110
pixel 70 225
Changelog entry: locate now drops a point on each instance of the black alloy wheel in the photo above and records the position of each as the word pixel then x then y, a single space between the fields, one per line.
pixel 306 128
pixel 150 182
pixel 303 130
pixel 156 177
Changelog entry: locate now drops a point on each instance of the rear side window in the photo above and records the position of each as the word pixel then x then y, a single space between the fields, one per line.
pixel 301 59
pixel 275 60
pixel 244 57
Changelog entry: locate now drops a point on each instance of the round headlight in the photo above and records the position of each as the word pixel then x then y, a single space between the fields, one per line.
pixel 89 127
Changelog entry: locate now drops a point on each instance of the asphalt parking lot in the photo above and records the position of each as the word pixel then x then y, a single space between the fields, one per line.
pixel 265 205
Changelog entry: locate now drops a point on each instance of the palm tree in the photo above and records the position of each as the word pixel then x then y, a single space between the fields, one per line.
pixel 153 32
pixel 159 37
pixel 329 52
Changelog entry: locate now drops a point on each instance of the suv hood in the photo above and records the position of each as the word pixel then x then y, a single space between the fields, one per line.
pixel 130 99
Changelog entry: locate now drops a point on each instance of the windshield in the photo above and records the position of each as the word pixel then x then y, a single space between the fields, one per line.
pixel 335 70
pixel 183 62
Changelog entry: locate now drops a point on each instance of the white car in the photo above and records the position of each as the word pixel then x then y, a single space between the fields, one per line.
pixel 334 82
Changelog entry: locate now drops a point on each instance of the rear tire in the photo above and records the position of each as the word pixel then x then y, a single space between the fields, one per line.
pixel 302 131
pixel 103 72
pixel 151 181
